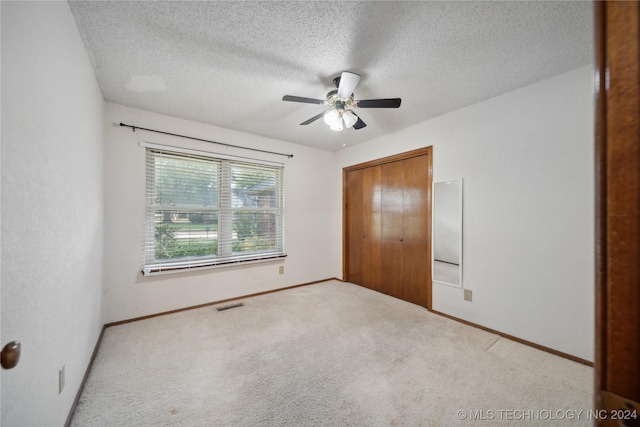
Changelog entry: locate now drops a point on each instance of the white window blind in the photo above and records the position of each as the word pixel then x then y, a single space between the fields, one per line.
pixel 205 211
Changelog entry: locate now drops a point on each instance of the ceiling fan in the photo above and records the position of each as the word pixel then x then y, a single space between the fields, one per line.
pixel 341 103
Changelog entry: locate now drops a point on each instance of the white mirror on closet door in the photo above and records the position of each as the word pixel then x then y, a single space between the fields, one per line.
pixel 447 232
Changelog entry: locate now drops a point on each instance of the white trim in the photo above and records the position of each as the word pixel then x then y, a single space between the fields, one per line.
pixel 147 270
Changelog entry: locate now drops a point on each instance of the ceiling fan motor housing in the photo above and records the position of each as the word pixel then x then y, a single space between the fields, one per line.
pixel 334 101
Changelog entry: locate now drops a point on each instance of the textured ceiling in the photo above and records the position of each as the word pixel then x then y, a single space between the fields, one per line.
pixel 229 63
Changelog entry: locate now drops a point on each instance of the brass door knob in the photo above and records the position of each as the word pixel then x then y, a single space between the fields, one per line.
pixel 10 355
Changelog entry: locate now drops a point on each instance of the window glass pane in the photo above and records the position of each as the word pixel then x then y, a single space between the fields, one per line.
pixel 183 181
pixel 253 187
pixel 180 234
pixel 254 231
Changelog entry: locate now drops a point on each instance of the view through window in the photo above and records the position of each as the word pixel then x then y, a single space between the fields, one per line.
pixel 206 211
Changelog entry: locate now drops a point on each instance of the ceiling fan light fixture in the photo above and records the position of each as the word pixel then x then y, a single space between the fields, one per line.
pixel 338 126
pixel 334 119
pixel 350 118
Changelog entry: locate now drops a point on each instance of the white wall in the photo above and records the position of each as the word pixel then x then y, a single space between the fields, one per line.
pixel 52 210
pixel 308 218
pixel 528 211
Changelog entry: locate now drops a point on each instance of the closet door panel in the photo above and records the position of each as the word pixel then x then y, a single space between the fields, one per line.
pixel 355 227
pixel 415 254
pixel 372 227
pixel 392 228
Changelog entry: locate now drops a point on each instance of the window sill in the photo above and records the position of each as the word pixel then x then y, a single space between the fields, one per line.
pixel 156 271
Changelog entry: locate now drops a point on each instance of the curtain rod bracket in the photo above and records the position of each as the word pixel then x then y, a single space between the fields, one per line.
pixel 133 128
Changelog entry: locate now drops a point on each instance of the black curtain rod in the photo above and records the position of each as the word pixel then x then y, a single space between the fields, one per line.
pixel 205 140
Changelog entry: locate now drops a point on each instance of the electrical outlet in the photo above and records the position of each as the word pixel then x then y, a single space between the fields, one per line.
pixel 61 380
pixel 281 270
pixel 468 295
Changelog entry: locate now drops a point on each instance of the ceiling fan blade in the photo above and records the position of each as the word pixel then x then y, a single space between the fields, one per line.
pixel 359 124
pixel 302 99
pixel 313 119
pixel 348 83
pixel 380 103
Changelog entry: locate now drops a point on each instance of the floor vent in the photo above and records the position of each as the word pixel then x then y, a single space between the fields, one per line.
pixel 228 307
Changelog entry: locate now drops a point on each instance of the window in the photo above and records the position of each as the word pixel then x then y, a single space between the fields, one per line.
pixel 204 211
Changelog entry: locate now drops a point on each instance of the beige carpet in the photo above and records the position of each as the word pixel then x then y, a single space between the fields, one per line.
pixel 329 354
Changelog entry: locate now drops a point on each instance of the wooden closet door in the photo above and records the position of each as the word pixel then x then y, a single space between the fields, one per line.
pixel 416 248
pixel 392 229
pixel 405 229
pixel 372 228
pixel 355 227
pixel 363 227
pixel 387 222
